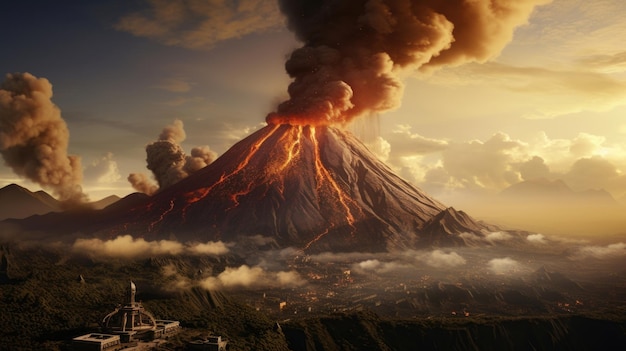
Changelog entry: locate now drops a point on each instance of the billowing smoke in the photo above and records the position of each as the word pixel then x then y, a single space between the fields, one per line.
pixel 143 183
pixel 355 51
pixel 168 162
pixel 34 137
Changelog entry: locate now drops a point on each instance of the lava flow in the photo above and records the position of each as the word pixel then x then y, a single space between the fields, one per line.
pixel 289 153
pixel 303 186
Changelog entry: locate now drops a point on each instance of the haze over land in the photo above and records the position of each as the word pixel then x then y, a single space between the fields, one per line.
pixel 548 106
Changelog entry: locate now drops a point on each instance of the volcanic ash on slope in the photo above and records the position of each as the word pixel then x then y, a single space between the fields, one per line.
pixel 314 188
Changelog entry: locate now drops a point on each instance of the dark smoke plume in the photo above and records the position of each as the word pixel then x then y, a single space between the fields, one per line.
pixel 34 137
pixel 168 162
pixel 354 50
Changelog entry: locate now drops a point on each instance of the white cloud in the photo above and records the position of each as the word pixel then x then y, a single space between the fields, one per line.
pixel 602 252
pixel 441 259
pixel 536 238
pixel 103 170
pixel 586 161
pixel 378 267
pixel 503 265
pixel 252 277
pixel 498 236
pixel 214 248
pixel 128 247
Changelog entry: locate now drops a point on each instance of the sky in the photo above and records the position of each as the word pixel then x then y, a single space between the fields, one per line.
pixel 551 104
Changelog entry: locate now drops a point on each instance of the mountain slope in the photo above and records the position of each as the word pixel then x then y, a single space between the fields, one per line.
pixel 313 188
pixel 19 202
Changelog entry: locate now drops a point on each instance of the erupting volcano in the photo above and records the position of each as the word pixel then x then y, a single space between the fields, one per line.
pixel 316 188
pixel 302 181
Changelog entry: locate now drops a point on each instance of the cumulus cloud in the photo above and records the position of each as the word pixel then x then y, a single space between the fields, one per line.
pixel 103 170
pixel 441 259
pixel 407 143
pixel 537 238
pixel 129 247
pixel 196 24
pixel 252 278
pixel 379 267
pixel 585 161
pixel 498 236
pixel 503 265
pixel 214 248
pixel 34 138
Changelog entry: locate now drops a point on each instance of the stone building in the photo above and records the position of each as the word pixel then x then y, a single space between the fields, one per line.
pixel 131 320
pixel 125 326
pixel 96 342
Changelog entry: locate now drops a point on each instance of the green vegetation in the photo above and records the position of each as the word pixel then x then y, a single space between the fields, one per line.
pixel 45 304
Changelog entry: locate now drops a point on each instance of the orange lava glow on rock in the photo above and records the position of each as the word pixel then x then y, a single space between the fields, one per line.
pixel 202 193
pixel 295 152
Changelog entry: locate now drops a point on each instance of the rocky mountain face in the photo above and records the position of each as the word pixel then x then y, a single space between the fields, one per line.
pixel 317 189
pixel 313 188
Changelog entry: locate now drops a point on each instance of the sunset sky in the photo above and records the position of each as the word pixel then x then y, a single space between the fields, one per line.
pixel 552 104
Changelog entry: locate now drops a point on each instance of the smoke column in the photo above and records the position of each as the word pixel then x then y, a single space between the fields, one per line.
pixel 168 162
pixel 34 138
pixel 354 51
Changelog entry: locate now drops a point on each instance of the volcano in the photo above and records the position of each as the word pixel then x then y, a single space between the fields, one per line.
pixel 313 188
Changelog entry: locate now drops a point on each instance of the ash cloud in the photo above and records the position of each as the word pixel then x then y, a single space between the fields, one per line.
pixel 34 138
pixel 168 162
pixel 355 51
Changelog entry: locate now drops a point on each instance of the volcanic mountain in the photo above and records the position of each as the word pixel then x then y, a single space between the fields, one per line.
pixel 313 188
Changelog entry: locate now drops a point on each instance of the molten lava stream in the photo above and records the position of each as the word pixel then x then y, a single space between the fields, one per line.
pixel 165 213
pixel 290 144
pixel 200 194
pixel 323 176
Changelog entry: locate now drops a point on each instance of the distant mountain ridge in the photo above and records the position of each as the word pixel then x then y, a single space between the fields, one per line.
pixel 542 189
pixel 18 202
pixel 313 188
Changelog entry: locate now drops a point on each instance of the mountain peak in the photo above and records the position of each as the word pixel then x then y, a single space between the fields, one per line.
pixel 312 188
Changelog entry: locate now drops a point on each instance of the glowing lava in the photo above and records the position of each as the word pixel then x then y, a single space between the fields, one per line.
pixel 294 149
pixel 202 193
